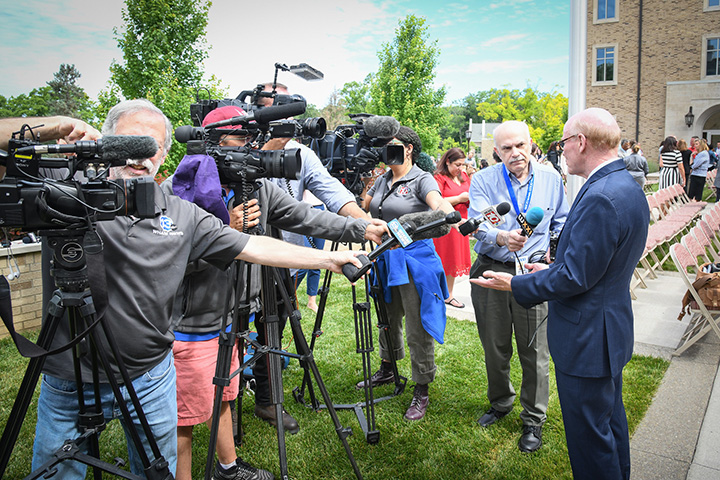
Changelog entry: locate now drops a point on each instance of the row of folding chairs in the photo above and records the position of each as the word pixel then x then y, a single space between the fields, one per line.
pixel 710 181
pixel 700 246
pixel 672 214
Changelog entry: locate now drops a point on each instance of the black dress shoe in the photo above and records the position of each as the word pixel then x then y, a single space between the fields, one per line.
pixel 491 416
pixel 531 439
pixel 381 377
pixel 267 413
pixel 419 403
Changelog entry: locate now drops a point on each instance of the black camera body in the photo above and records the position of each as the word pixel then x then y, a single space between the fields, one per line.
pixel 31 202
pixel 554 238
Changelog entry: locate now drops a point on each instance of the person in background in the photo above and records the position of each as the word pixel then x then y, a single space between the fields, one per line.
pixel 699 165
pixel 671 167
pixel 637 165
pixel 483 164
pixel 312 277
pixel 453 248
pixel 686 157
pixel 553 156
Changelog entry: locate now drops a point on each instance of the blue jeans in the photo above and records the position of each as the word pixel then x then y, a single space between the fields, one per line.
pixel 58 417
pixel 313 276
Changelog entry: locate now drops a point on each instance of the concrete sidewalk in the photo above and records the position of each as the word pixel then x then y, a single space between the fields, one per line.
pixel 679 438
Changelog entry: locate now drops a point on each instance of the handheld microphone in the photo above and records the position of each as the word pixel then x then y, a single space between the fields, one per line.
pixel 111 148
pixel 381 126
pixel 354 273
pixel 491 214
pixel 264 115
pixel 528 223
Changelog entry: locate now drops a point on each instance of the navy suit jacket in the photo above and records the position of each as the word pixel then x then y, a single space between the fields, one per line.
pixel 590 319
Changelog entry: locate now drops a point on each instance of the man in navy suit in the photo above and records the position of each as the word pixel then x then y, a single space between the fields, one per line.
pixel 590 327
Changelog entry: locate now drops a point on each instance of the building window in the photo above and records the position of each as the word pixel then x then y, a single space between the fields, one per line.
pixel 712 56
pixel 607 10
pixel 605 63
pixel 711 5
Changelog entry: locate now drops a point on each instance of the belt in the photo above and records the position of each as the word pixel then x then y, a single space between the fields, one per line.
pixel 492 260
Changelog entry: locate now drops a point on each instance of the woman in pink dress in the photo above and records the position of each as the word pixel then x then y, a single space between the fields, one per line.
pixel 454 248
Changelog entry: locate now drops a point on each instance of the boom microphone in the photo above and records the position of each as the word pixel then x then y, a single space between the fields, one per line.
pixel 111 148
pixel 381 127
pixel 264 115
pixel 528 223
pixel 491 214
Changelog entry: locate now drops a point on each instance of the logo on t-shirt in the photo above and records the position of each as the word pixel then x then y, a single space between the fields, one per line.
pixel 167 227
pixel 403 190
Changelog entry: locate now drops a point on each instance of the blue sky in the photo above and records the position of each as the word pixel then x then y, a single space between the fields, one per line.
pixel 484 43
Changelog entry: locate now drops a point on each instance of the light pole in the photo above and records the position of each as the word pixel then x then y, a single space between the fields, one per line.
pixel 468 136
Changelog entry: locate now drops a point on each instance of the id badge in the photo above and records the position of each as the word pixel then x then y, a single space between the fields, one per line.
pixel 520 265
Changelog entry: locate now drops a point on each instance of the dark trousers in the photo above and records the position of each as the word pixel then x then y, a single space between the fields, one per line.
pixel 596 427
pixel 695 190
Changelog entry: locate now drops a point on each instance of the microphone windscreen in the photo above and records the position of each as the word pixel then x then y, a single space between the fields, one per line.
pixel 534 216
pixel 122 147
pixel 423 218
pixel 504 207
pixel 270 114
pixel 381 127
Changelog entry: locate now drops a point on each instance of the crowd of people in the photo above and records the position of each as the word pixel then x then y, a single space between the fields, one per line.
pixel 561 308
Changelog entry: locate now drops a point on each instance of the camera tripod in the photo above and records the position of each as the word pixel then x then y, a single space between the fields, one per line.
pixel 274 281
pixel 363 346
pixel 71 251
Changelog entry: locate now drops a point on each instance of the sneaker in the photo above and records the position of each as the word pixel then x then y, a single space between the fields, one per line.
pixel 241 471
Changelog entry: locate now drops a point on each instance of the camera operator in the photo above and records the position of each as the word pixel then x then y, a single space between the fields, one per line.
pixel 144 262
pixel 314 177
pixel 200 303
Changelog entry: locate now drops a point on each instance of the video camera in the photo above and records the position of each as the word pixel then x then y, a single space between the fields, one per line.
pixel 31 201
pixel 351 152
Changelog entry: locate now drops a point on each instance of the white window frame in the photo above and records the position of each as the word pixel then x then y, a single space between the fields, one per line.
pixel 703 62
pixel 616 18
pixel 708 8
pixel 595 81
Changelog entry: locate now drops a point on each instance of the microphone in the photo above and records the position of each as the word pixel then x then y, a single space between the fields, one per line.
pixel 354 273
pixel 111 148
pixel 529 222
pixel 263 115
pixel 491 214
pixel 433 224
pixel 381 127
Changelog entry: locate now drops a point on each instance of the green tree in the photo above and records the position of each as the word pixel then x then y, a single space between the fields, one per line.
pixel 403 86
pixel 33 104
pixel 68 98
pixel 163 44
pixel 356 95
pixel 545 113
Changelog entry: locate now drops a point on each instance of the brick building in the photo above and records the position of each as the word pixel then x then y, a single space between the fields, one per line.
pixel 651 62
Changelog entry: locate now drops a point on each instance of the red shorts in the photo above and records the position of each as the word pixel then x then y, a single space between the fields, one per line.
pixel 195 368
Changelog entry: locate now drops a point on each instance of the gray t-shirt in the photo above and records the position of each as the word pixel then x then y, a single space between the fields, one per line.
pixel 145 262
pixel 407 195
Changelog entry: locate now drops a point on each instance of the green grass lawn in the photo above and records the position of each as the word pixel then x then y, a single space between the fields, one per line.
pixel 446 444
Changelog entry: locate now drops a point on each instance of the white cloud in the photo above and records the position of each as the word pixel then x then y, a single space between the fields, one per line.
pixel 506 40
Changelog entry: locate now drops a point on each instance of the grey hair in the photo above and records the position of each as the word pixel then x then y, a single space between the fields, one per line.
pixel 508 124
pixel 128 107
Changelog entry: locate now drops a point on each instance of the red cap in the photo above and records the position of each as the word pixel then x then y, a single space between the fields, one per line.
pixel 224 113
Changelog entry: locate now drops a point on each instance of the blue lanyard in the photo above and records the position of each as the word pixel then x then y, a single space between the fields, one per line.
pixel 511 191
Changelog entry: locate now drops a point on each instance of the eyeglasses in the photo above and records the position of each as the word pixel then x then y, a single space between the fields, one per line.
pixel 562 142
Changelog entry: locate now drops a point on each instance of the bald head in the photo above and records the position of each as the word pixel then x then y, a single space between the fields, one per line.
pixel 592 137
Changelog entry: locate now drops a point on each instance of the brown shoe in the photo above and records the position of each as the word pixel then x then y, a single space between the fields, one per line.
pixel 419 403
pixel 267 413
pixel 383 376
